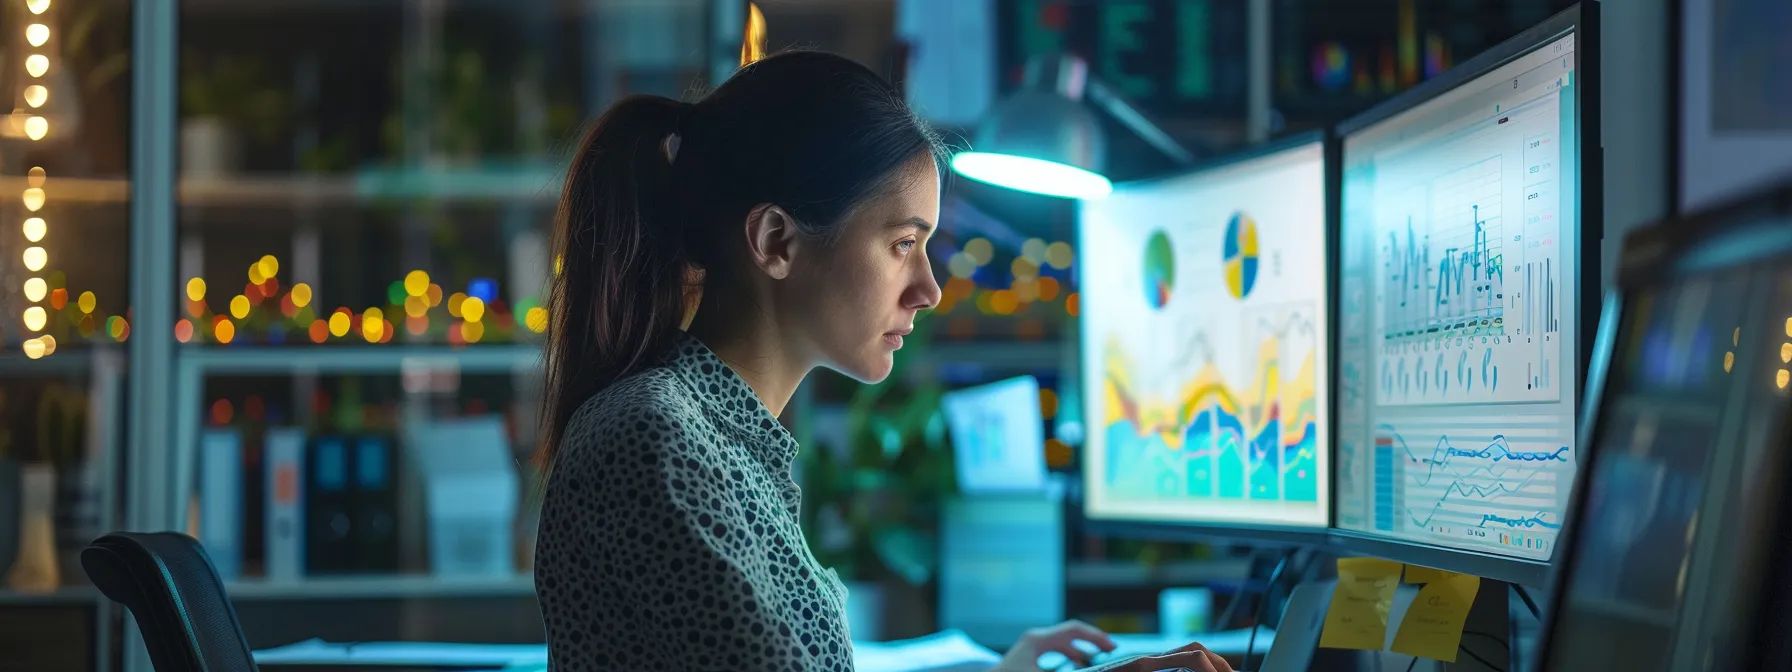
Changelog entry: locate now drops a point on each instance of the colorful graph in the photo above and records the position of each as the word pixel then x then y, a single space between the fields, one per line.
pixel 1215 438
pixel 1472 483
pixel 1160 270
pixel 1241 255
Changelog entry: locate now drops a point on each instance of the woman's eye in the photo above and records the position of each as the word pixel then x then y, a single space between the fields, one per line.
pixel 905 245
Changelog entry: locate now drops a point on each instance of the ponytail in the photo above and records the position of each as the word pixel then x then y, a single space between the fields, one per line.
pixel 618 293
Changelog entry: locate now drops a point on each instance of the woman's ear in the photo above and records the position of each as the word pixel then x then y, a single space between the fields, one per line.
pixel 771 240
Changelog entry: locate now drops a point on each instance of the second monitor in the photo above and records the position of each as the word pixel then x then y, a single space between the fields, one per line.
pixel 1462 308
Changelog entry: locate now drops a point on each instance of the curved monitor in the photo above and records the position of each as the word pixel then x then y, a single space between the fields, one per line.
pixel 1463 309
pixel 1204 348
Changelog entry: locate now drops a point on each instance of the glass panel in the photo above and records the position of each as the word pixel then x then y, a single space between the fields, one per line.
pixel 366 195
pixel 64 316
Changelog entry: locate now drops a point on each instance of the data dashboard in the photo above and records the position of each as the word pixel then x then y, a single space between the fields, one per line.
pixel 1457 313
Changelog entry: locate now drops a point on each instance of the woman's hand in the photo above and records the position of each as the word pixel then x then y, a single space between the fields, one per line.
pixel 1192 657
pixel 1062 638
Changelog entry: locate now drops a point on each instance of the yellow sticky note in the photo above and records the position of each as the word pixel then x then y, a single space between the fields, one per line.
pixel 1417 574
pixel 1432 627
pixel 1358 616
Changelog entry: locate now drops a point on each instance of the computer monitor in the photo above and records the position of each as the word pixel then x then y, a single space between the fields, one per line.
pixel 998 437
pixel 1469 250
pixel 1204 307
pixel 1678 532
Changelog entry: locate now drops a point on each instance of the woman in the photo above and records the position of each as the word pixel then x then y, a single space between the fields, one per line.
pixel 790 210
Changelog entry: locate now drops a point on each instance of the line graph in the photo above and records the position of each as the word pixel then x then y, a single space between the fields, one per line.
pixel 1490 484
pixel 1462 297
pixel 1445 273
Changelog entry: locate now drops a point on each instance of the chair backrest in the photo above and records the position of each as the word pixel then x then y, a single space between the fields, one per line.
pixel 169 585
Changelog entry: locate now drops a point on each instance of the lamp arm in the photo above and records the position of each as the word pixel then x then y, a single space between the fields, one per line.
pixel 1116 106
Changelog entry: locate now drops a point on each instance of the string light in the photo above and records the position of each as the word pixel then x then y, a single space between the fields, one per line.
pixel 416 283
pixel 34 228
pixel 472 309
pixel 536 319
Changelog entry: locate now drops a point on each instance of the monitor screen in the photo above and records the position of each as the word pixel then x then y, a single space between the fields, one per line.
pixel 1203 307
pixel 1674 533
pixel 998 436
pixel 1458 313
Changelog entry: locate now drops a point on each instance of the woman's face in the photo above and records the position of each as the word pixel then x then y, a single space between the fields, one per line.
pixel 858 297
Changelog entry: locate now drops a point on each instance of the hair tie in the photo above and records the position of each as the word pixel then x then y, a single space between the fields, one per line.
pixel 680 121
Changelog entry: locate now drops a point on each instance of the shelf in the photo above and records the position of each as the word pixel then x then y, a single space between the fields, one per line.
pixel 72 596
pixel 358 359
pixel 1132 574
pixel 66 361
pixel 288 189
pixel 385 587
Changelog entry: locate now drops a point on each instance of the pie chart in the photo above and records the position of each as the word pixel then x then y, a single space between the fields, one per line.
pixel 1160 270
pixel 1241 255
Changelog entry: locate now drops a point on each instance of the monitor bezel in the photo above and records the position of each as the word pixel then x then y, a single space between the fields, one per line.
pixel 1262 535
pixel 1581 21
pixel 1669 250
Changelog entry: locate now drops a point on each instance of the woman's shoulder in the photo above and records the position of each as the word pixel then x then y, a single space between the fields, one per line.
pixel 649 407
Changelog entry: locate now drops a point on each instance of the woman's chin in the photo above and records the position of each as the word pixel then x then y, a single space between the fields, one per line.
pixel 869 369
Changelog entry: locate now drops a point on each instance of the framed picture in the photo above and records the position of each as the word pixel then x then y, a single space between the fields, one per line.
pixel 1735 97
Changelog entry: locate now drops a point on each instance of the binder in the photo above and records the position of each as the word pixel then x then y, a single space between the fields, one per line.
pixel 328 521
pixel 221 500
pixel 375 505
pixel 285 460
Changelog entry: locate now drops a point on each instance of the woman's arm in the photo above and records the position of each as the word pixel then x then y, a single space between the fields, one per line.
pixel 642 558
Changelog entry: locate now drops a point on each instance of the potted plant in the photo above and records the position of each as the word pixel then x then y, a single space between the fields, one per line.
pixel 60 424
pixel 871 507
pixel 225 102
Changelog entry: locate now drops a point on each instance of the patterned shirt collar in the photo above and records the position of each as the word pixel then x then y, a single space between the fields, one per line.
pixel 737 410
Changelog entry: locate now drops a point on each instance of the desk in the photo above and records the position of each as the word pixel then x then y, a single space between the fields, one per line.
pixel 949 651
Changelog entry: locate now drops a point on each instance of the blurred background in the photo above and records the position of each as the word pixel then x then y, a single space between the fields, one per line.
pixel 352 243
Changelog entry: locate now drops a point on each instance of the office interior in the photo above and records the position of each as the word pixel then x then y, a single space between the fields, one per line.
pixel 1333 334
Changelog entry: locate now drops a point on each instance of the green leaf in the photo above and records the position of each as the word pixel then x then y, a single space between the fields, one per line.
pixel 906 553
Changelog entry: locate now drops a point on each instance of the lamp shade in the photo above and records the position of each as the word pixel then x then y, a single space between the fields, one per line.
pixel 1042 139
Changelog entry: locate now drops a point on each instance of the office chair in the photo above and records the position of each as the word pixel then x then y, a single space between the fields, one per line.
pixel 169 585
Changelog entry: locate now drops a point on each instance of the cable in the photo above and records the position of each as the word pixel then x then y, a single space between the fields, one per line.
pixel 1489 635
pixel 1231 610
pixel 1411 665
pixel 1275 576
pixel 1528 602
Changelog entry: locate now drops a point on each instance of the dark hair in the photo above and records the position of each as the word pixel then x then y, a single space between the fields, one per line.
pixel 811 132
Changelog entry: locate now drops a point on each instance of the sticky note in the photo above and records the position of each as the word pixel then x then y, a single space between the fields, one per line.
pixel 1417 574
pixel 1358 616
pixel 1432 627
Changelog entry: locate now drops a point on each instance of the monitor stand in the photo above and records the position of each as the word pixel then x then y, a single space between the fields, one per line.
pixel 1487 632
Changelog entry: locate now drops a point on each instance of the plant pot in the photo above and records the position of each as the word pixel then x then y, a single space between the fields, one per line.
pixel 209 147
pixel 11 500
pixel 35 569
